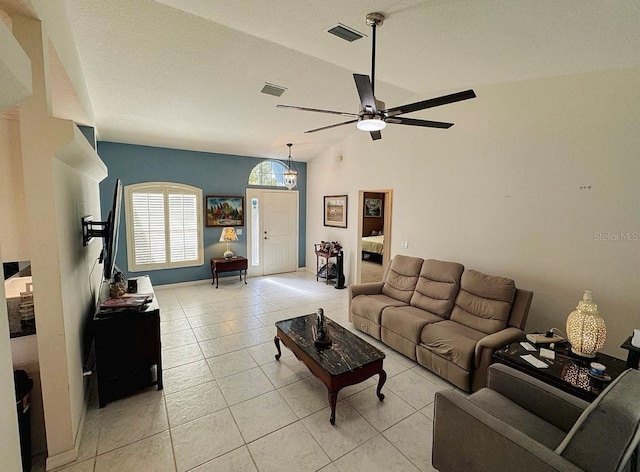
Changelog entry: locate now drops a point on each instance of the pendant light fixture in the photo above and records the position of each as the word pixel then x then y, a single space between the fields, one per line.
pixel 291 174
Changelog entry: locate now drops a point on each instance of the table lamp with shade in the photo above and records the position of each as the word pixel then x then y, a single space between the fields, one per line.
pixel 228 235
pixel 586 330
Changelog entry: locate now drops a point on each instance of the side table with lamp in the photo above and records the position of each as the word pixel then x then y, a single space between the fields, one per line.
pixel 575 366
pixel 228 263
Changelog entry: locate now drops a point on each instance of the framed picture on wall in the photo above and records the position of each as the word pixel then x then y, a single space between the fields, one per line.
pixel 335 211
pixel 224 210
pixel 373 207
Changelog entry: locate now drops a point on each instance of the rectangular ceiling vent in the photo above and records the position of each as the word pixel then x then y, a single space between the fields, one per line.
pixel 344 32
pixel 271 89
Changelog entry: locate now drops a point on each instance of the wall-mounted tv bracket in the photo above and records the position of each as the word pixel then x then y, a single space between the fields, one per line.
pixel 93 229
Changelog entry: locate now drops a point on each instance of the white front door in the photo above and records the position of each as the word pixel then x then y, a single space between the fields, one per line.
pixel 273 231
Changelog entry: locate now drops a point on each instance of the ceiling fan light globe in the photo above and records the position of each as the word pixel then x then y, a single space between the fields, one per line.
pixel 374 123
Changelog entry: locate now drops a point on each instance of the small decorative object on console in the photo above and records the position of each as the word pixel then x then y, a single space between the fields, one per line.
pixel 320 336
pixel 586 330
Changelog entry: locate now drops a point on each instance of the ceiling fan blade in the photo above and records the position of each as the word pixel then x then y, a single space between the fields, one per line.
pixel 317 110
pixel 363 84
pixel 396 120
pixel 430 103
pixel 375 135
pixel 331 126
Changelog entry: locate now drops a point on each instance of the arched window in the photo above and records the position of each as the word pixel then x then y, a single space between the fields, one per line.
pixel 268 174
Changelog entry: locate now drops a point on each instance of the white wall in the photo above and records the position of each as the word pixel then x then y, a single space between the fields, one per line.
pixel 522 186
pixel 13 218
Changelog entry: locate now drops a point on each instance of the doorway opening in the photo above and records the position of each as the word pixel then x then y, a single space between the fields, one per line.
pixel 374 230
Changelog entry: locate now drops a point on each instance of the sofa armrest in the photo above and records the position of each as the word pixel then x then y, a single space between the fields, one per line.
pixel 370 288
pixel 465 437
pixel 543 400
pixel 483 356
pixel 496 341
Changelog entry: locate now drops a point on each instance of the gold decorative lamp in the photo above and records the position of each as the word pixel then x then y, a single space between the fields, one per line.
pixel 586 330
pixel 228 235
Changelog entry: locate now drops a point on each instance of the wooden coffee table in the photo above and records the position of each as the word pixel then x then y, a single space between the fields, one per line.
pixel 348 361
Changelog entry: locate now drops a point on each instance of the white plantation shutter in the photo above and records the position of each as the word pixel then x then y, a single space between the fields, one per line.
pixel 183 227
pixel 164 226
pixel 148 228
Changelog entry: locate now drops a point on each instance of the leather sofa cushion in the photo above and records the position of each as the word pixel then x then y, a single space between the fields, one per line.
pixel 407 321
pixel 371 306
pixel 402 277
pixel 437 287
pixel 483 302
pixel 517 417
pixel 452 341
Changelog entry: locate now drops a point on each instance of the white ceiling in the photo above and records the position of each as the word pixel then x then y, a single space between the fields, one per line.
pixel 188 74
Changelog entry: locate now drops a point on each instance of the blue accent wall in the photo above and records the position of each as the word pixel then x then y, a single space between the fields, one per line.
pixel 215 174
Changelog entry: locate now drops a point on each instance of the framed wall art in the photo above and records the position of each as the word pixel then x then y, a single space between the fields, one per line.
pixel 335 211
pixel 373 207
pixel 224 210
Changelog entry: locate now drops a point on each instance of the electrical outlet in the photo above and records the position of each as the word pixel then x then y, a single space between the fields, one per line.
pixel 239 231
pixel 405 244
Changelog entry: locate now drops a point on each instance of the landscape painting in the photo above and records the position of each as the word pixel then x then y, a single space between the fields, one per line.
pixel 224 211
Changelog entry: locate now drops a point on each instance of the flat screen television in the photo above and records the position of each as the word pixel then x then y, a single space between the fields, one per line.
pixel 108 231
pixel 110 241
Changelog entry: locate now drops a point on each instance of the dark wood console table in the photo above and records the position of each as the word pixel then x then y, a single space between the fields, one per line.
pixel 127 347
pixel 567 371
pixel 220 264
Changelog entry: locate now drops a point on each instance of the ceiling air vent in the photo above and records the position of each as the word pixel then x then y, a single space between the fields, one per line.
pixel 344 32
pixel 271 89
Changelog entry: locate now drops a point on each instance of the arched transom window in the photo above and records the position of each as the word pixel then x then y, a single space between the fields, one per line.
pixel 268 174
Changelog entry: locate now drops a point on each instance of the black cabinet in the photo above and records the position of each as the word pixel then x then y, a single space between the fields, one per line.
pixel 127 347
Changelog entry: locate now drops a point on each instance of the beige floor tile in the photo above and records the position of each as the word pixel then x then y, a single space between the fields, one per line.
pixel 204 320
pixel 427 411
pixel 153 454
pixel 262 415
pixel 413 436
pixel 301 454
pixel 218 346
pixel 172 326
pixel 181 355
pixel 170 315
pixel 381 414
pixel 231 363
pixel 306 396
pixel 377 454
pixel 132 418
pixel 194 402
pixel 285 371
pixel 349 431
pixel 187 375
pixel 177 339
pixel 255 337
pixel 238 460
pixel 90 434
pixel 204 439
pixel 412 388
pixel 202 309
pixel 239 387
pixel 243 324
pixel 266 352
pixel 79 466
pixel 211 331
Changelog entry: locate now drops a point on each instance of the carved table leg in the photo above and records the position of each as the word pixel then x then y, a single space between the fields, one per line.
pixel 381 380
pixel 333 400
pixel 276 340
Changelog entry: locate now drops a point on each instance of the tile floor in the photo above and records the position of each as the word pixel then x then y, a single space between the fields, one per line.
pixel 227 405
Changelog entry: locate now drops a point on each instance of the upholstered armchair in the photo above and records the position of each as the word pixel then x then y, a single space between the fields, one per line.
pixel 522 424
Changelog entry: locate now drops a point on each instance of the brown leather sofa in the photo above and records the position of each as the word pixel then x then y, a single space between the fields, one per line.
pixel 447 318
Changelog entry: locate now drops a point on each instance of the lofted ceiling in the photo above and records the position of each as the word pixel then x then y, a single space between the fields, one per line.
pixel 188 74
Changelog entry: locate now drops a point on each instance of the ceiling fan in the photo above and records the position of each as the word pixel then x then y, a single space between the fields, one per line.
pixel 374 116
